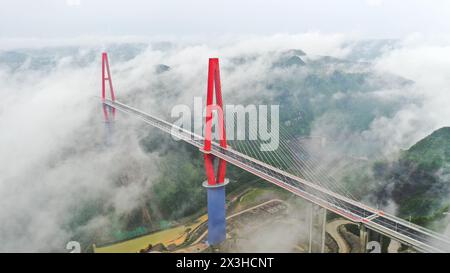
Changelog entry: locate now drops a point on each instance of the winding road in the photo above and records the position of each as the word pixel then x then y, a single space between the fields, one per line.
pixel 332 228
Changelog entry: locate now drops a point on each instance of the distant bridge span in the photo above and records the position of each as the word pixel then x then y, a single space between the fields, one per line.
pixel 420 238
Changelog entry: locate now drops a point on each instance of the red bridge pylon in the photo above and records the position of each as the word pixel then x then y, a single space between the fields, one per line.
pixel 107 111
pixel 214 83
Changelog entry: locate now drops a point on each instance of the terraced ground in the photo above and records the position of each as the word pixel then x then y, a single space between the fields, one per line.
pixel 176 235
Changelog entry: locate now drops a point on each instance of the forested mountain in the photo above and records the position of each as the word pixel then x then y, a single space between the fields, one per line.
pixel 419 181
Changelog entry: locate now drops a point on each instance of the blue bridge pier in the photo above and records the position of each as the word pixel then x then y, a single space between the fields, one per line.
pixel 217 229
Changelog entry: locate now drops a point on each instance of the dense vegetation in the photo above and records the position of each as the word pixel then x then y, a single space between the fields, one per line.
pixel 419 182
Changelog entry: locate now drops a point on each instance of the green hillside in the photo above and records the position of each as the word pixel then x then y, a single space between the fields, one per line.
pixel 432 152
pixel 419 182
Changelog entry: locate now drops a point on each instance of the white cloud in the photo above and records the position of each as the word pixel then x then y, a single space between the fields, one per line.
pixel 51 125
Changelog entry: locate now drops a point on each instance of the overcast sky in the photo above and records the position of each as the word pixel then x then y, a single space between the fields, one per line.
pixel 369 18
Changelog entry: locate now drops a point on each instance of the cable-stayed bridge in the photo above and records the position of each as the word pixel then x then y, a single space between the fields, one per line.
pixel 420 238
pixel 297 176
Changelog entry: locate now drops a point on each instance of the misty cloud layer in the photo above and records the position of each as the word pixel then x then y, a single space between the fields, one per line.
pixel 52 152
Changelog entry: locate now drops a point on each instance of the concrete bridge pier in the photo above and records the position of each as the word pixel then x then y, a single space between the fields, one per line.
pixel 317 229
pixel 109 132
pixel 363 238
pixel 216 213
